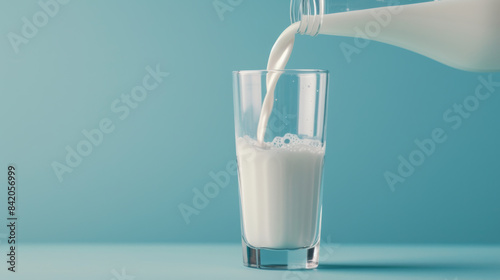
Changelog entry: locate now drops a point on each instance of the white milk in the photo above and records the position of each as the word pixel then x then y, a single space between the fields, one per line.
pixel 464 34
pixel 280 188
pixel 280 53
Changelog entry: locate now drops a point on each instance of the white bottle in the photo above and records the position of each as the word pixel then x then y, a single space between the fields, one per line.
pixel 463 34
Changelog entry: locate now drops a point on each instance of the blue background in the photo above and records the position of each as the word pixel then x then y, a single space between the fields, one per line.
pixel 130 186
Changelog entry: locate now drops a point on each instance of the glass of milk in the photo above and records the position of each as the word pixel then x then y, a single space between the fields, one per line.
pixel 280 175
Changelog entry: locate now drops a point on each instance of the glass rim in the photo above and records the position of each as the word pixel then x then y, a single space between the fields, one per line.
pixel 284 71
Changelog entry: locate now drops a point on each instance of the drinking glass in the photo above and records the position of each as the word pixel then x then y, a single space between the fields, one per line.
pixel 280 177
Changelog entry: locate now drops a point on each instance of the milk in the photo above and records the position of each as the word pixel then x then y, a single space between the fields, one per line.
pixel 463 34
pixel 280 54
pixel 280 189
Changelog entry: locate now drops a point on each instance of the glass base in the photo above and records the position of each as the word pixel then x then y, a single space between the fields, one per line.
pixel 305 258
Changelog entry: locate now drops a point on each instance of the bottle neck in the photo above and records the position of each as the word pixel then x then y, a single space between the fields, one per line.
pixel 309 13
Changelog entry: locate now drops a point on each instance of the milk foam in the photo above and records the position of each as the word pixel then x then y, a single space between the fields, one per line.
pixel 289 142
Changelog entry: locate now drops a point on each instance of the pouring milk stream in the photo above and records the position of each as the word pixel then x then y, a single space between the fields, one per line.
pixel 464 34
